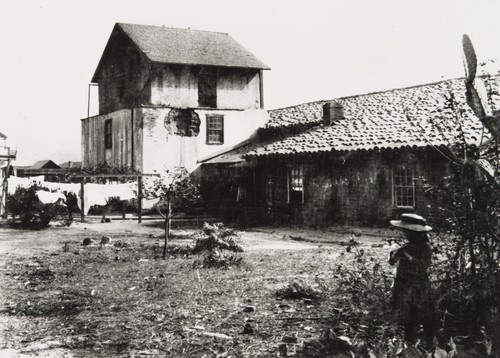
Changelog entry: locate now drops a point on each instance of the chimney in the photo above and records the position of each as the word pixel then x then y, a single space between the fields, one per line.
pixel 332 112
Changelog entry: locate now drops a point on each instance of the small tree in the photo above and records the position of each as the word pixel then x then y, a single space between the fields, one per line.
pixel 173 186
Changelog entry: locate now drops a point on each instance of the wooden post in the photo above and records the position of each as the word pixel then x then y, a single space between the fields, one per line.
pixel 82 200
pixel 139 199
pixel 5 188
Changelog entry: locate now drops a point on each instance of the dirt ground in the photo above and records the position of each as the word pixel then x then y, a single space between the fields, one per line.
pixel 186 306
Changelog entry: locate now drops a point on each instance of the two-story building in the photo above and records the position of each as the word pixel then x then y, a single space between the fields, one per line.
pixel 169 96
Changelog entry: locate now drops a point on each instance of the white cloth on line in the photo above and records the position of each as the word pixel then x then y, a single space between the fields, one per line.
pixel 100 194
pixel 64 187
pixel 39 179
pixel 95 194
pixel 15 182
pixel 46 197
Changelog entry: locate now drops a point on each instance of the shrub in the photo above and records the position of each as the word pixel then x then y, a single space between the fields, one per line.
pixel 213 241
pixel 31 211
pixel 216 237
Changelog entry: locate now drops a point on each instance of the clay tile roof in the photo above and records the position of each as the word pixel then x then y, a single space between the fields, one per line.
pixel 190 47
pixel 409 117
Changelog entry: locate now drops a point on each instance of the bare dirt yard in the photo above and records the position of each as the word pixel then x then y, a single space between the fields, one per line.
pixel 60 298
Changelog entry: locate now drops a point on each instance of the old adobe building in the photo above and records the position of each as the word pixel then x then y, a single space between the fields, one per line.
pixel 358 160
pixel 168 97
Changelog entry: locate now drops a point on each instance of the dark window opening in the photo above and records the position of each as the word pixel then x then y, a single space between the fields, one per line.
pixel 295 185
pixel 403 187
pixel 108 133
pixel 215 129
pixel 121 88
pixel 207 89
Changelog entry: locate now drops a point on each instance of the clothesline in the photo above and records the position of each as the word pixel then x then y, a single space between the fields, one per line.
pixel 93 194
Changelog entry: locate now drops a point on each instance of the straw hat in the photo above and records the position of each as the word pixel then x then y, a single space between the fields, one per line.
pixel 412 222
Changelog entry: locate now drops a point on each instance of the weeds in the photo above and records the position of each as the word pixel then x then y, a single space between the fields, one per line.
pixel 298 289
pixel 218 259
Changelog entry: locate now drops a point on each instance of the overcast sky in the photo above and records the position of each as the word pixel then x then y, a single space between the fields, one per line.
pixel 316 50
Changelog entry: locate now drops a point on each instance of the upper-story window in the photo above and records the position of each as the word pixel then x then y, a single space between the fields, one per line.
pixel 215 129
pixel 403 185
pixel 108 133
pixel 295 184
pixel 207 88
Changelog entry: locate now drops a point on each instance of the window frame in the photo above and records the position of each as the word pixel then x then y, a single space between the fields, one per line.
pixel 108 133
pixel 397 197
pixel 290 173
pixel 210 117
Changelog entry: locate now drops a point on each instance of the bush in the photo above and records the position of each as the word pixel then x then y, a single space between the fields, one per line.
pixel 213 241
pixel 32 213
pixel 216 237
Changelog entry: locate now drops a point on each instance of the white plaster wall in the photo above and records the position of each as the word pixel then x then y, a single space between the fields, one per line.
pixel 235 90
pixel 175 87
pixel 161 150
pixel 178 87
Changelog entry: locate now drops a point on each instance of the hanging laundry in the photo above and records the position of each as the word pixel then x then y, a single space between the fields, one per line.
pixel 38 179
pixel 100 194
pixel 73 188
pixel 46 197
pixel 15 182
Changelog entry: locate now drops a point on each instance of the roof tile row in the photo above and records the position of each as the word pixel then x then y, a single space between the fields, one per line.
pixel 416 116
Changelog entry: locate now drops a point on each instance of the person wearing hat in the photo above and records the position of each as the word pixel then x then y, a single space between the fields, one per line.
pixel 411 298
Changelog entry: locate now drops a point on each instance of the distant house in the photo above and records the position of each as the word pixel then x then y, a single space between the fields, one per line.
pixel 7 155
pixel 71 165
pixel 168 97
pixel 43 164
pixel 46 168
pixel 357 160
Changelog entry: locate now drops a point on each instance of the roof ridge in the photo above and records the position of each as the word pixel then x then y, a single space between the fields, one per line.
pixel 300 104
pixel 172 27
pixel 399 88
pixel 371 93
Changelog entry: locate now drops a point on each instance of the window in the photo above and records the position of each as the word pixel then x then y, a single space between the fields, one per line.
pixel 403 187
pixel 295 185
pixel 121 88
pixel 215 129
pixel 108 134
pixel 207 88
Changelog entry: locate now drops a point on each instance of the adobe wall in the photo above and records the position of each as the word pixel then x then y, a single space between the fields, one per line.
pixel 162 139
pixel 351 190
pixel 177 86
pixel 162 147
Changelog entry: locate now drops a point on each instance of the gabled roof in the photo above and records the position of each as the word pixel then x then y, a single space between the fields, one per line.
pixel 409 117
pixel 44 164
pixel 188 47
